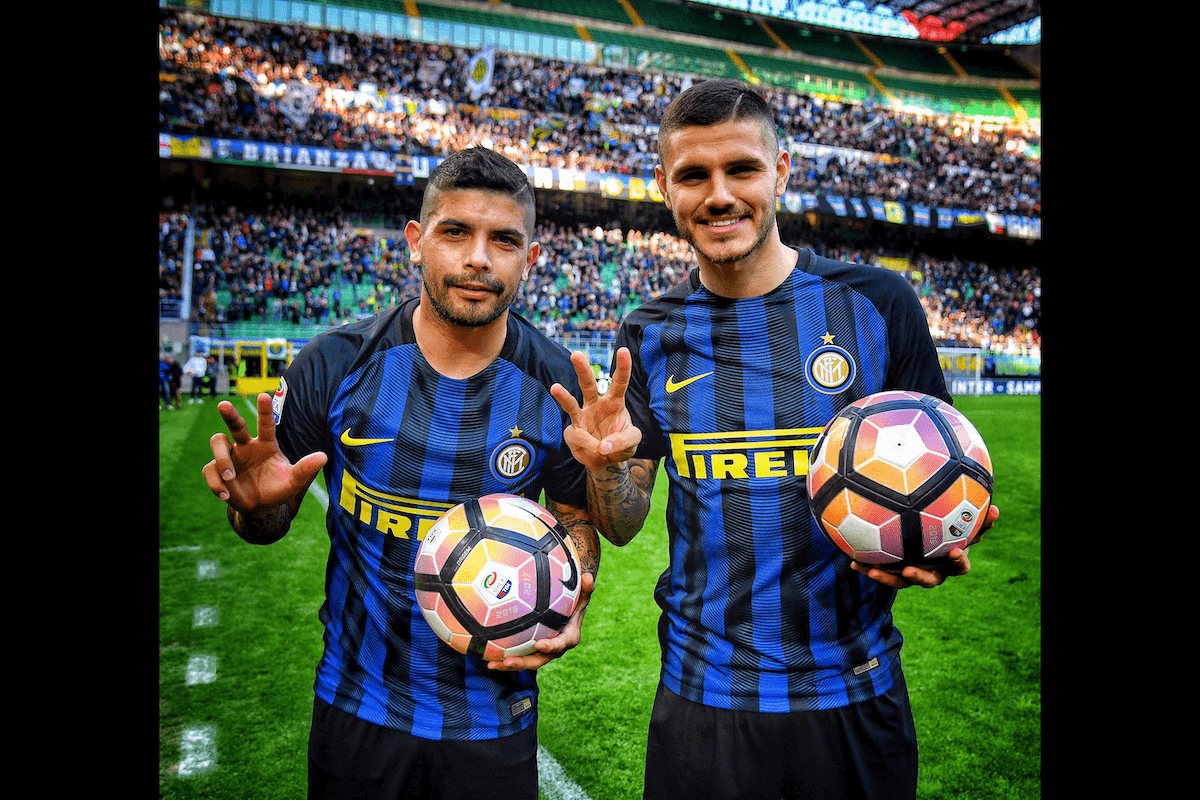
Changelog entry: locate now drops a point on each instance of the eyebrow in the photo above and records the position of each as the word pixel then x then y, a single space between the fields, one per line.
pixel 452 222
pixel 748 161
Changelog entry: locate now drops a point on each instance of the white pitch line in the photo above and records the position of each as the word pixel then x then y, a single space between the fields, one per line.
pixel 207 571
pixel 199 750
pixel 205 616
pixel 200 669
pixel 552 779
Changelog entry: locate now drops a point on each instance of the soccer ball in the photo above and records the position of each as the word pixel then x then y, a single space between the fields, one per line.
pixel 899 478
pixel 495 574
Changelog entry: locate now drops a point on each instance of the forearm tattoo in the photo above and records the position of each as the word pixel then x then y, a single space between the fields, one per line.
pixel 582 532
pixel 619 498
pixel 262 529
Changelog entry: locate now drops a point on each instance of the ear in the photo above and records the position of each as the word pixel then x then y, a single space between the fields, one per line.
pixel 412 234
pixel 535 250
pixel 783 168
pixel 660 177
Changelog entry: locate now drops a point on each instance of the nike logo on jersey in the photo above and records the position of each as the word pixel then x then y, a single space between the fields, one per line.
pixel 350 441
pixel 672 386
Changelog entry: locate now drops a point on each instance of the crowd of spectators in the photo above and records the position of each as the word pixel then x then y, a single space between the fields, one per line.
pixel 290 265
pixel 309 267
pixel 241 80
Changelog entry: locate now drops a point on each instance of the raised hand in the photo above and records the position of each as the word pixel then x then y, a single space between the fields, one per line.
pixel 601 431
pixel 252 474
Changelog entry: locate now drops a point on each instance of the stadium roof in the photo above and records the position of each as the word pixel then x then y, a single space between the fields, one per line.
pixel 962 20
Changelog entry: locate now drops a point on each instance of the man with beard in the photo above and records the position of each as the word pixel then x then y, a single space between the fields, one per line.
pixel 780 670
pixel 409 413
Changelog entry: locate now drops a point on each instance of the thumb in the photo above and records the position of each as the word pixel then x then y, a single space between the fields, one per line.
pixel 306 469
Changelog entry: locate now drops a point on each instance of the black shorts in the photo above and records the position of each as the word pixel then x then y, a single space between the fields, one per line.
pixel 352 759
pixel 864 751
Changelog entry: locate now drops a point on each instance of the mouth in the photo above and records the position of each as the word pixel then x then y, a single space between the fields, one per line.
pixel 475 287
pixel 722 225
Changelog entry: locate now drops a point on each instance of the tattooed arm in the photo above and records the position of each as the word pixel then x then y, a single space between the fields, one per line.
pixel 604 439
pixel 579 527
pixel 619 497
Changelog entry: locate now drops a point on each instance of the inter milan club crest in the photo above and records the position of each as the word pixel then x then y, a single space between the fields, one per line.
pixel 512 458
pixel 829 369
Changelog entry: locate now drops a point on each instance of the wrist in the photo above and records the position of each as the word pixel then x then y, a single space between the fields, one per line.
pixel 610 472
pixel 259 515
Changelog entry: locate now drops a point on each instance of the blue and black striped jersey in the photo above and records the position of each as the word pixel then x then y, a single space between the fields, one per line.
pixel 759 611
pixel 404 444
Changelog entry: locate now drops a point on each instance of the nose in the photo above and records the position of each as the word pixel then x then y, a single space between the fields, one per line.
pixel 478 255
pixel 719 196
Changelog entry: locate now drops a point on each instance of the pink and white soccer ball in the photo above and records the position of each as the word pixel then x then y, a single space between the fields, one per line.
pixel 495 574
pixel 900 478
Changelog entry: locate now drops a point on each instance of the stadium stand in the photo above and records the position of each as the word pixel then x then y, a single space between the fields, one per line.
pixel 283 257
pixel 549 104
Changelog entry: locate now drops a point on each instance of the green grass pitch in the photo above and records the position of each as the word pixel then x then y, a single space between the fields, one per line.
pixel 239 641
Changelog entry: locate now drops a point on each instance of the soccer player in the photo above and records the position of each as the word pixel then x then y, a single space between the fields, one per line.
pixel 781 669
pixel 443 398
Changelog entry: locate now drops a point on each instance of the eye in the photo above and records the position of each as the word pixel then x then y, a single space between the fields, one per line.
pixel 507 240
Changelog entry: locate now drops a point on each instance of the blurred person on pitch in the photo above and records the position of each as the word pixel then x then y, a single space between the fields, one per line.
pixel 781 669
pixel 175 371
pixel 195 368
pixel 164 382
pixel 406 413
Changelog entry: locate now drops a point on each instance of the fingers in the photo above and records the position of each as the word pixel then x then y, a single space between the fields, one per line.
pixel 237 426
pixel 566 401
pixel 915 576
pixel 220 469
pixel 925 578
pixel 266 418
pixel 619 380
pixel 305 471
pixel 621 445
pixel 549 649
pixel 518 663
pixel 993 513
pixel 212 476
pixel 892 579
pixel 587 378
pixel 587 585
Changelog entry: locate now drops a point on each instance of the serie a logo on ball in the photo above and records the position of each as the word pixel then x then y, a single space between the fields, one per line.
pixel 900 478
pixel 496 574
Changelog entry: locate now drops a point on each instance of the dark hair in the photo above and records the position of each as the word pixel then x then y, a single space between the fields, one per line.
pixel 482 169
pixel 715 101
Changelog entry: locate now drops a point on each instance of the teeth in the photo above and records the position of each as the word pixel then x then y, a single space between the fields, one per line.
pixel 722 223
